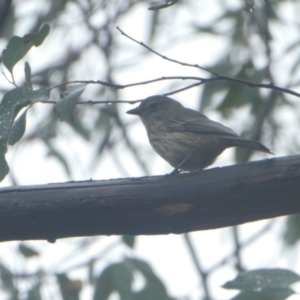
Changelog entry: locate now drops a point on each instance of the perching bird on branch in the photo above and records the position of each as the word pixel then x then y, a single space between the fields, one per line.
pixel 185 138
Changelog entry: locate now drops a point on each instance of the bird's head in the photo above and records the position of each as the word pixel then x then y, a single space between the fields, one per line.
pixel 154 108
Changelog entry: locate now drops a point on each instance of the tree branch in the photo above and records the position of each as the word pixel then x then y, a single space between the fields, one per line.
pixel 201 273
pixel 208 199
pixel 217 77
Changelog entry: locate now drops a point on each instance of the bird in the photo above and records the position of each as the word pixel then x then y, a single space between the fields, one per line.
pixel 186 138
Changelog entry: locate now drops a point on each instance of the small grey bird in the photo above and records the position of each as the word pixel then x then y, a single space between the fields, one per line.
pixel 185 138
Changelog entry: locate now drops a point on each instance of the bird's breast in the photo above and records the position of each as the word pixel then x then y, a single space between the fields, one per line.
pixel 175 146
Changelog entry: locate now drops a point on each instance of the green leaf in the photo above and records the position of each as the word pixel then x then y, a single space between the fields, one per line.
pixel 154 288
pixel 163 5
pixel 209 91
pixel 122 279
pixel 263 278
pixel 7 282
pixel 265 294
pixel 116 277
pixel 65 110
pixel 12 102
pixel 18 129
pixel 69 289
pixel 250 5
pixel 34 293
pixel 37 38
pixel 19 46
pixel 128 240
pixel 216 87
pixel 27 71
pixel 234 98
pixel 91 277
pixel 15 50
pixel 7 27
pixel 104 285
pixel 4 169
pixel 292 230
pixel 27 251
pixel 153 26
pixel 40 95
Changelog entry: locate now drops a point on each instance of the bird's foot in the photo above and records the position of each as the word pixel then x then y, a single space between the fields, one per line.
pixel 176 171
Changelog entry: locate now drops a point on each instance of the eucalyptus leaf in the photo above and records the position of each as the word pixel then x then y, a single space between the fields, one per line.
pixel 69 289
pixel 37 38
pixel 34 293
pixel 163 5
pixel 10 105
pixel 291 233
pixel 7 280
pixel 265 294
pixel 19 46
pixel 4 169
pixel 263 278
pixel 27 71
pixel 209 91
pixel 122 279
pixel 128 240
pixel 104 285
pixel 154 288
pixel 12 102
pixel 116 277
pixel 27 251
pixel 65 110
pixel 18 129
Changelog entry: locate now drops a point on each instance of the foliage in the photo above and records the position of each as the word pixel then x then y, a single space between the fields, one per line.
pixel 263 284
pixel 91 49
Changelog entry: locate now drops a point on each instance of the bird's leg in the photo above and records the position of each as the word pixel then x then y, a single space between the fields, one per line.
pixel 176 170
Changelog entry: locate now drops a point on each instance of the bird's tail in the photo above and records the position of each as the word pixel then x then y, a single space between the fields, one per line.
pixel 251 144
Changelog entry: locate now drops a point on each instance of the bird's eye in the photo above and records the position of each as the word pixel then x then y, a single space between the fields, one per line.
pixel 154 105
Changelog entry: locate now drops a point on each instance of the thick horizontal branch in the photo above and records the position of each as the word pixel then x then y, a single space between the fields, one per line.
pixel 208 199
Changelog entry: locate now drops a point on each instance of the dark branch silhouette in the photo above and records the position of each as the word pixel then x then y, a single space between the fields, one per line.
pixel 212 198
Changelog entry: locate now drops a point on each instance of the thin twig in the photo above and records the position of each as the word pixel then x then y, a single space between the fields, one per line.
pixel 248 242
pixel 94 101
pixel 184 88
pixel 123 86
pixel 237 250
pixel 218 77
pixel 200 80
pixel 11 82
pixel 267 106
pixel 163 56
pixel 202 274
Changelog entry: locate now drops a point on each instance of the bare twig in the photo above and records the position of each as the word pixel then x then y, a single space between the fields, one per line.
pixel 218 77
pixel 163 56
pixel 94 101
pixel 252 239
pixel 10 81
pixel 237 251
pixel 200 80
pixel 201 272
pixel 123 86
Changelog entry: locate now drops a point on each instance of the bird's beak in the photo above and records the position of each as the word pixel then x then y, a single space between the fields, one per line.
pixel 134 111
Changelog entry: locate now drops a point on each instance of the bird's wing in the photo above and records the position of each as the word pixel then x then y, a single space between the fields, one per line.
pixel 197 123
